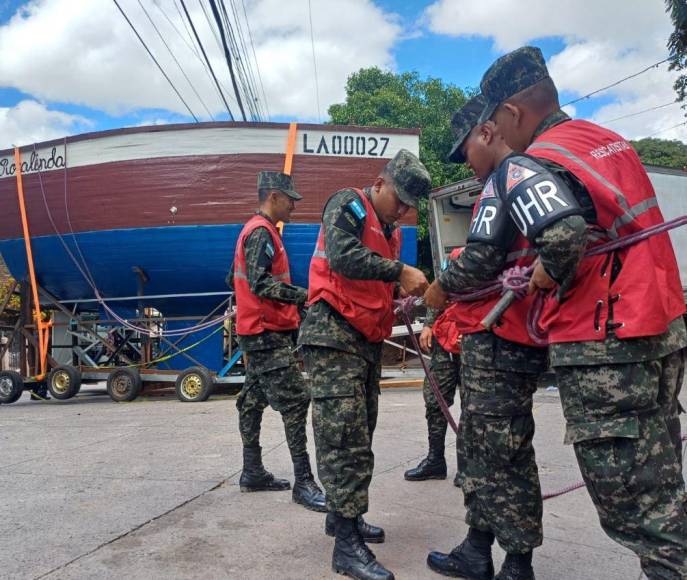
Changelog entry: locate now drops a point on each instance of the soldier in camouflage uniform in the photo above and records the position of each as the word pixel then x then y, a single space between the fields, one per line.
pixel 496 458
pixel 619 395
pixel 445 366
pixel 273 376
pixel 343 364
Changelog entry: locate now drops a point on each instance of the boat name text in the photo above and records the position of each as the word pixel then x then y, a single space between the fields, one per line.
pixel 354 145
pixel 35 163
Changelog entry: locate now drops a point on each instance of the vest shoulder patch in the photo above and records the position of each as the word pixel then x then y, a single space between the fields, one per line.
pixel 516 174
pixel 357 208
pixel 269 250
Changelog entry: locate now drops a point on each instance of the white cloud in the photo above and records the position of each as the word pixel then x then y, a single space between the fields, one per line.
pixel 30 122
pixel 85 53
pixel 604 42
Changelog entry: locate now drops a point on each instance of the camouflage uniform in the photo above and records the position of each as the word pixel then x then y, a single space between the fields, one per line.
pixel 445 367
pixel 344 368
pixel 272 375
pixel 619 397
pixel 499 378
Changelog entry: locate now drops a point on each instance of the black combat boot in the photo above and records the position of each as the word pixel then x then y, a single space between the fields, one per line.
pixel 431 467
pixel 255 477
pixel 370 534
pixel 516 567
pixel 305 491
pixel 458 479
pixel 471 559
pixel 351 556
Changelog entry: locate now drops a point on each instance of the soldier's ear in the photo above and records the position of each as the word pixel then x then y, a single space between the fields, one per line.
pixel 514 112
pixel 377 185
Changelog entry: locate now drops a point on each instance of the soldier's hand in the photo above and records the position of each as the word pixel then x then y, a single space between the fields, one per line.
pixel 413 281
pixel 435 297
pixel 540 279
pixel 426 338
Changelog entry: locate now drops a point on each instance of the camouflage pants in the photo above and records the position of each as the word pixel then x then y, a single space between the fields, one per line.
pixel 273 378
pixel 495 453
pixel 345 391
pixel 446 369
pixel 621 420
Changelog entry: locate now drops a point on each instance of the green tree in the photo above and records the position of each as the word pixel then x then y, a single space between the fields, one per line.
pixel 677 44
pixel 384 99
pixel 662 152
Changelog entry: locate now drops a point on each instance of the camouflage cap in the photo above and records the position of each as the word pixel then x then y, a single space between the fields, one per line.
pixel 462 123
pixel 276 180
pixel 411 178
pixel 510 74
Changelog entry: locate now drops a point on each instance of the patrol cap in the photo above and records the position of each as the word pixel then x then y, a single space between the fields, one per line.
pixel 410 177
pixel 462 122
pixel 510 74
pixel 276 180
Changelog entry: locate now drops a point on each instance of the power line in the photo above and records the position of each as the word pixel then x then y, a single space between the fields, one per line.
pixel 255 58
pixel 243 73
pixel 189 43
pixel 314 62
pixel 227 54
pixel 243 58
pixel 666 129
pixel 162 38
pixel 155 61
pixel 639 112
pixel 207 60
pixel 618 82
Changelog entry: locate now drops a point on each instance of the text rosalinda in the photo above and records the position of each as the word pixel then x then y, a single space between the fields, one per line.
pixel 36 162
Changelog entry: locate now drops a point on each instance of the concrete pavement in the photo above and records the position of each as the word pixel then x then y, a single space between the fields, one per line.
pixel 149 489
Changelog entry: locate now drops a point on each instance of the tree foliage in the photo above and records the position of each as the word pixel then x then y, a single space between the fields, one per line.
pixel 662 152
pixel 384 99
pixel 677 44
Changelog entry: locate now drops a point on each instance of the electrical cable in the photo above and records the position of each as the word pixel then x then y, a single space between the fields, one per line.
pixel 155 61
pixel 227 55
pixel 162 38
pixel 314 62
pixel 664 130
pixel 189 42
pixel 639 112
pixel 255 58
pixel 207 60
pixel 615 84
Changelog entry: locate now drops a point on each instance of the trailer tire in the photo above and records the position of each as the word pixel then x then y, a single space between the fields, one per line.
pixel 193 385
pixel 124 384
pixel 64 382
pixel 11 387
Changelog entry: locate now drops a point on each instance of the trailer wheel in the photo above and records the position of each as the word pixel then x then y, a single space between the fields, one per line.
pixel 11 387
pixel 193 385
pixel 64 382
pixel 124 384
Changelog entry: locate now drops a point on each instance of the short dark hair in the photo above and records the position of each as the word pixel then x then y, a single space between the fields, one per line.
pixel 263 194
pixel 541 96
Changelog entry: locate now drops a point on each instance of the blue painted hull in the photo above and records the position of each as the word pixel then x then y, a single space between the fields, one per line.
pixel 177 259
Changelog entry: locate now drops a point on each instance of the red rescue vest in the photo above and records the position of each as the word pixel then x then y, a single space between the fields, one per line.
pixel 513 324
pixel 366 304
pixel 446 329
pixel 647 293
pixel 254 314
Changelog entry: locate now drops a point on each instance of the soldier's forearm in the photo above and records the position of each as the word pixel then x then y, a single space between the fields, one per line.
pixel 271 289
pixel 561 247
pixel 349 257
pixel 478 263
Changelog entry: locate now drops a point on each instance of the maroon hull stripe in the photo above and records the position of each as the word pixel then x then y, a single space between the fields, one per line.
pixel 210 189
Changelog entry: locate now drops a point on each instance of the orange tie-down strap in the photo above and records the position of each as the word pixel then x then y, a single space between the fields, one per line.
pixel 43 327
pixel 288 160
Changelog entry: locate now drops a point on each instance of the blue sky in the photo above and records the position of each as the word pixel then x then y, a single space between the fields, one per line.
pixel 70 67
